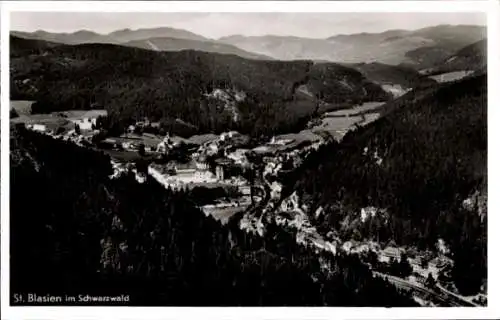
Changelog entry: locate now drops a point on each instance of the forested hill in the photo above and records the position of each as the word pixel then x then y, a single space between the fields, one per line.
pixel 404 76
pixel 131 82
pixel 75 231
pixel 419 162
pixel 174 44
pixel 472 58
pixel 22 47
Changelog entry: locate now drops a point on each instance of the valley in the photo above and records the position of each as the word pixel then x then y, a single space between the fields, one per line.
pixel 251 170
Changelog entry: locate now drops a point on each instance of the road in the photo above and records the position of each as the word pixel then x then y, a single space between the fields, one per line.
pixel 440 294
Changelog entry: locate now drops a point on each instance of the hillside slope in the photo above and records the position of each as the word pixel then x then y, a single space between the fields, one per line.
pixel 417 164
pixel 174 44
pixel 389 75
pixel 132 82
pixel 447 40
pixel 115 37
pixel 21 46
pixel 471 58
pixel 156 39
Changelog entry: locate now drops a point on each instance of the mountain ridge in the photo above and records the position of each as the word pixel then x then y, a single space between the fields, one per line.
pixel 389 47
pixel 420 48
pixel 175 84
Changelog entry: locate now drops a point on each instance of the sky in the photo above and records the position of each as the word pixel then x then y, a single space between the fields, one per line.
pixel 216 25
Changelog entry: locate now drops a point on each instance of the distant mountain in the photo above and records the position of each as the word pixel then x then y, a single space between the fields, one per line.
pixel 390 47
pixel 126 35
pixel 116 37
pixel 447 40
pixel 283 48
pixel 157 39
pixel 82 36
pixel 274 96
pixel 174 44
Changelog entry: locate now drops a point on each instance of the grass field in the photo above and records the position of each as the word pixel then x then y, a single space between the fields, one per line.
pixel 202 138
pixel 451 76
pixel 22 107
pixel 81 114
pixel 298 138
pixel 51 120
pixel 148 140
pixel 365 107
pixel 125 156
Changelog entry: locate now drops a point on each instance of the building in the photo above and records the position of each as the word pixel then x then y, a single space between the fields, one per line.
pixel 368 212
pixel 390 253
pixel 165 145
pixel 280 142
pixel 39 127
pixel 212 149
pixel 180 175
pixel 238 156
pixel 85 123
pixel 275 190
pixel 88 119
pixel 245 190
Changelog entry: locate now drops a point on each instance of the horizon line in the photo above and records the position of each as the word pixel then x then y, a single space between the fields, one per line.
pixel 247 36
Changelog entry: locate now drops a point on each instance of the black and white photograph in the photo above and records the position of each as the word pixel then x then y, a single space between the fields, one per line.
pixel 246 159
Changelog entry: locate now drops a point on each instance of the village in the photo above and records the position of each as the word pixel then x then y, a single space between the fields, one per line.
pixel 229 162
pixel 202 161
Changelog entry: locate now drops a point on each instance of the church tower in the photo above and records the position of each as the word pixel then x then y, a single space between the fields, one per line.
pixel 219 172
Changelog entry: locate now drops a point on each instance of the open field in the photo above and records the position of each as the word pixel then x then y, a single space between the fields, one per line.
pixel 335 123
pixel 202 138
pixel 125 156
pixel 22 107
pixel 451 76
pixel 364 108
pixel 148 140
pixel 52 122
pixel 395 89
pixel 337 127
pixel 298 138
pixel 53 119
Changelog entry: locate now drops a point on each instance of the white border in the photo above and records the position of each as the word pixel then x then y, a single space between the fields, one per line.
pixel 490 7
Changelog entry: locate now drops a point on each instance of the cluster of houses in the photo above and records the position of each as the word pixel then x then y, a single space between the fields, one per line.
pixel 197 171
pixel 422 263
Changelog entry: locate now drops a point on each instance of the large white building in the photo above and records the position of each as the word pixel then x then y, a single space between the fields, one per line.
pixel 39 127
pixel 85 123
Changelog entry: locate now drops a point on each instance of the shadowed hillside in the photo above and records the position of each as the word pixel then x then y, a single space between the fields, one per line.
pixel 99 236
pixel 419 162
pixel 132 83
pixel 173 44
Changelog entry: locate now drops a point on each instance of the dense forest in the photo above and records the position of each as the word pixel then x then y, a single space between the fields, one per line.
pixel 418 163
pixel 132 83
pixel 75 231
pixel 405 76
